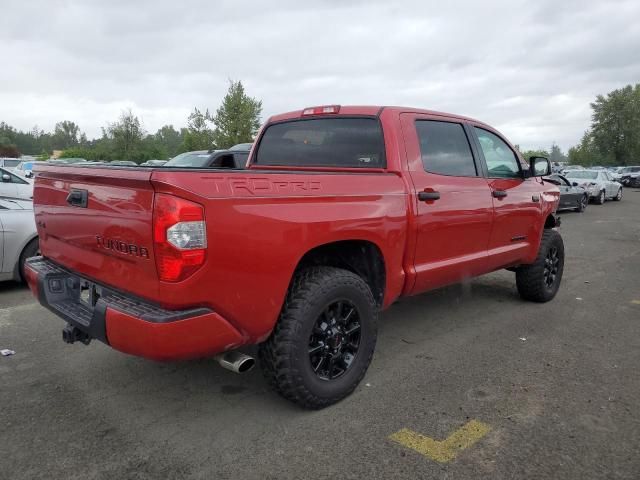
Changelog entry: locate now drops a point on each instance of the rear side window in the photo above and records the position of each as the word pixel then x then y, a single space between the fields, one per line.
pixel 11 163
pixel 323 142
pixel 445 149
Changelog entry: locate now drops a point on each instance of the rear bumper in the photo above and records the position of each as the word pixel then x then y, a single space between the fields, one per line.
pixel 128 323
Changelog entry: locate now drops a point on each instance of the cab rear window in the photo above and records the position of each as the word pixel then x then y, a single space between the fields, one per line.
pixel 323 142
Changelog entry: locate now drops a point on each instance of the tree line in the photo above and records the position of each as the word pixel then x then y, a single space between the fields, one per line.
pixel 236 121
pixel 614 136
pixel 612 139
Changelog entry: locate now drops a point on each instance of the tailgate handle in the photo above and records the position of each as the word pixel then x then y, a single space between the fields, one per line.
pixel 78 198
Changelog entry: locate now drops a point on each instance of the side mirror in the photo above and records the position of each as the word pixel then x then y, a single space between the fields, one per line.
pixel 6 178
pixel 575 184
pixel 28 174
pixel 539 166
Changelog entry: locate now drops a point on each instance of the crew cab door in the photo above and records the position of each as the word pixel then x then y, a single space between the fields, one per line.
pixel 517 200
pixel 452 201
pixel 612 187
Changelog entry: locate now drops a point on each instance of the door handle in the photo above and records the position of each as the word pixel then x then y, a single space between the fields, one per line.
pixel 499 193
pixel 426 196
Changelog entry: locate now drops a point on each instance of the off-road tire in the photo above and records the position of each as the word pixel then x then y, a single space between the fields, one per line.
pixel 618 196
pixel 530 279
pixel 601 198
pixel 284 356
pixel 31 250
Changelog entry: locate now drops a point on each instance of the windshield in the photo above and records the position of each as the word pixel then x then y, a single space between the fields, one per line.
pixel 630 169
pixel 582 174
pixel 189 159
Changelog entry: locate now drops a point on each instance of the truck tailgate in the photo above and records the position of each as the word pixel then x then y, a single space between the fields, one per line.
pixel 98 223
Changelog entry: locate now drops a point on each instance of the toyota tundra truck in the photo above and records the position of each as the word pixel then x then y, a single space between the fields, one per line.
pixel 339 211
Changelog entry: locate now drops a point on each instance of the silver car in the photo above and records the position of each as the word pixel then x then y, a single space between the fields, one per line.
pixel 15 186
pixel 599 184
pixel 18 237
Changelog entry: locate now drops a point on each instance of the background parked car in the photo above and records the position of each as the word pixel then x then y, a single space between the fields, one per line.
pixel 629 176
pixel 14 186
pixel 153 163
pixel 210 159
pixel 569 168
pixel 242 146
pixel 123 163
pixel 598 183
pixel 572 195
pixel 67 160
pixel 25 169
pixel 18 237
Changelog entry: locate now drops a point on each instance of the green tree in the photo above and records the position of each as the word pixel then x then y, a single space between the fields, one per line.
pixel 65 134
pixel 169 139
pixel 526 154
pixel 586 152
pixel 126 136
pixel 9 150
pixel 199 134
pixel 238 118
pixel 556 154
pixel 615 127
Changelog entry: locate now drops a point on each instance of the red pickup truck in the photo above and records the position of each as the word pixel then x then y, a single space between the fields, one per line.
pixel 340 211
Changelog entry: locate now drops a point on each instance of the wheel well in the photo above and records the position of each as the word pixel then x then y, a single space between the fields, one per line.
pixel 361 257
pixel 16 270
pixel 551 222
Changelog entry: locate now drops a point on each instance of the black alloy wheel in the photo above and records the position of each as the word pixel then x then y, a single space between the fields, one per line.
pixel 551 267
pixel 335 340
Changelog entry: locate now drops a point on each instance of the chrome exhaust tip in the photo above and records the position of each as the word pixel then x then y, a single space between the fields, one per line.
pixel 237 362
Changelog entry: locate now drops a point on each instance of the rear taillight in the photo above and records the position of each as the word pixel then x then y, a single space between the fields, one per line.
pixel 179 237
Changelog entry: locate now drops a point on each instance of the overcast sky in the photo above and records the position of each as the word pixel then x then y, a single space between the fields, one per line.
pixel 529 68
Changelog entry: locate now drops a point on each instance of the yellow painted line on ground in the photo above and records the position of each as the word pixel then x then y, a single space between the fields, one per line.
pixel 635 302
pixel 446 450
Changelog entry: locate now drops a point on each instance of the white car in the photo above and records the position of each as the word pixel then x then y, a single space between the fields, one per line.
pixel 18 237
pixel 598 183
pixel 15 186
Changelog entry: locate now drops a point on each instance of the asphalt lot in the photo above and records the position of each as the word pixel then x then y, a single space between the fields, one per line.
pixel 557 384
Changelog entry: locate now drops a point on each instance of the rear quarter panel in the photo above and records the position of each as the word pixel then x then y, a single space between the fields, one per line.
pixel 259 226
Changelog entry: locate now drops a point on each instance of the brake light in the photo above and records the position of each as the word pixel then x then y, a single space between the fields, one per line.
pixel 324 110
pixel 179 237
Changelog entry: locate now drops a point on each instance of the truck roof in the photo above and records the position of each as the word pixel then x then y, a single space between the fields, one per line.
pixel 371 110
